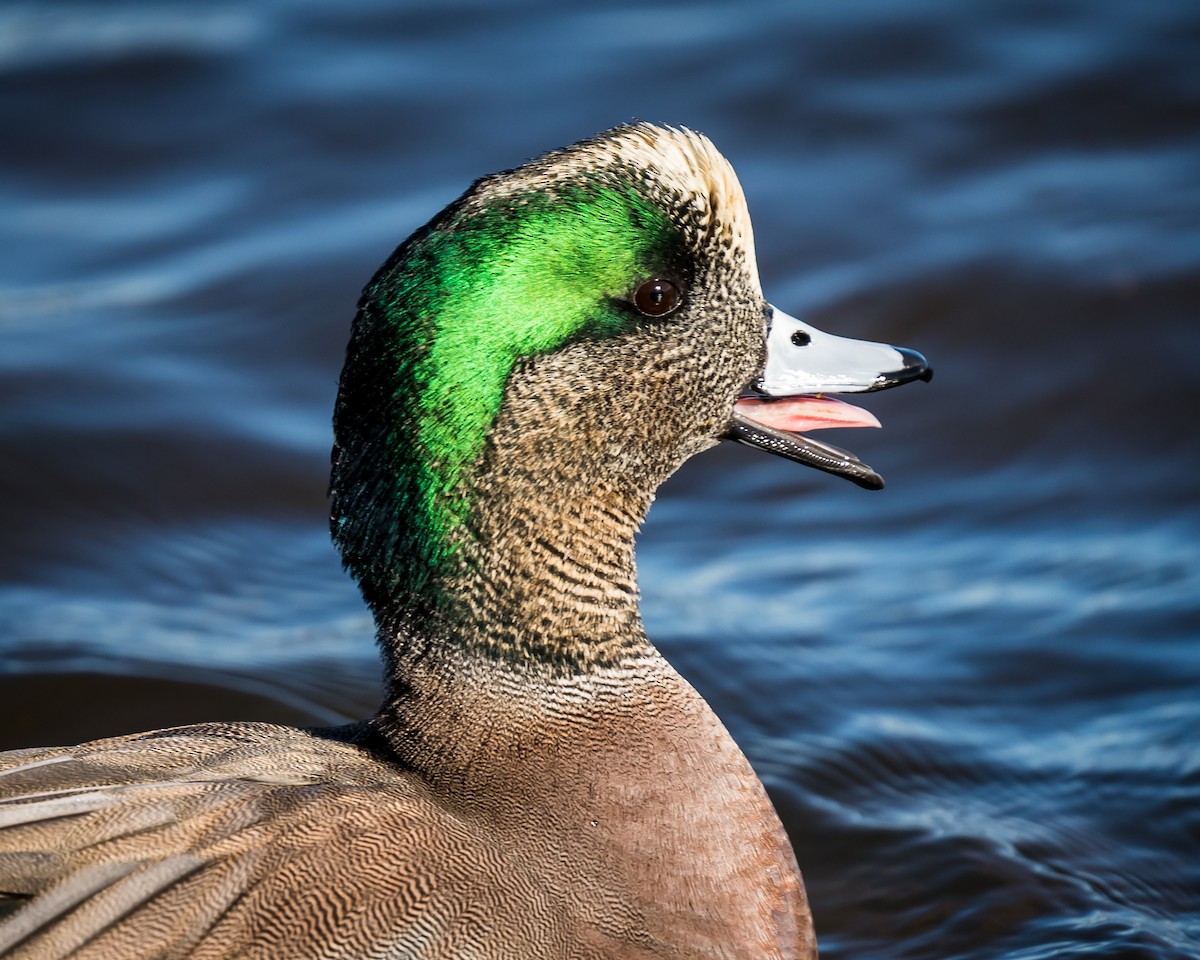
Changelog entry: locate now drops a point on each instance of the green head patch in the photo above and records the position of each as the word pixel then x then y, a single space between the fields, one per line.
pixel 489 282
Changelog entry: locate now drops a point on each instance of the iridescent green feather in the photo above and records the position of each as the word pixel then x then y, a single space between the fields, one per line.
pixel 439 331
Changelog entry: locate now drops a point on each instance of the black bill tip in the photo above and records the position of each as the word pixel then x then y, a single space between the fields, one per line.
pixel 914 367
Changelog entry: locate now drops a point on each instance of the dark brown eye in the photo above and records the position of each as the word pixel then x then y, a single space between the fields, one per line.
pixel 656 297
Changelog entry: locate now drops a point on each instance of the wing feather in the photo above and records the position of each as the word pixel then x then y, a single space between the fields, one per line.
pixel 171 844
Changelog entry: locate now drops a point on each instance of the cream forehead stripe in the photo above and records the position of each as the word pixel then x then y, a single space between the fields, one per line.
pixel 688 163
pixel 683 161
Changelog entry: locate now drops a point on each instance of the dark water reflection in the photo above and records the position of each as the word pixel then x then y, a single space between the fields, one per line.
pixel 975 696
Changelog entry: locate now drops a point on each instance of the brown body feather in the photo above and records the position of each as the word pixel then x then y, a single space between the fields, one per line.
pixel 619 821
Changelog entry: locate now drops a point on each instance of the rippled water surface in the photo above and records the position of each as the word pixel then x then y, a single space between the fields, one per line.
pixel 974 696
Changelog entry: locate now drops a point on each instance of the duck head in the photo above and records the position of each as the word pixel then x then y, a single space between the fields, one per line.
pixel 529 366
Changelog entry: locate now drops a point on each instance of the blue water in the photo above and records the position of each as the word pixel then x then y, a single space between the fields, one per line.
pixel 974 696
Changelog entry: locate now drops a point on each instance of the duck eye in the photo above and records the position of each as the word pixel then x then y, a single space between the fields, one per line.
pixel 656 297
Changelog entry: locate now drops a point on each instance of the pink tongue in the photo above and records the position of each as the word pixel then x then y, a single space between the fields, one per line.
pixel 801 414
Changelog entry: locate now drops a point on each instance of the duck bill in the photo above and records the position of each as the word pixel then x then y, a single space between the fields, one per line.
pixel 791 399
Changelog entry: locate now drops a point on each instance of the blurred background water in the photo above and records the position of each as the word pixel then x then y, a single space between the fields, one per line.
pixel 975 696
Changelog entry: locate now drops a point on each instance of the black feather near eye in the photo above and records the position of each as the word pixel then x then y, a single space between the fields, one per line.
pixel 657 297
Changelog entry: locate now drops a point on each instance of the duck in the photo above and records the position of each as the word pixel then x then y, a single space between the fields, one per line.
pixel 523 372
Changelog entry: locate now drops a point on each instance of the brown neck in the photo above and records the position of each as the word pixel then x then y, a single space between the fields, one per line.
pixel 552 576
pixel 546 586
pixel 545 572
pixel 463 715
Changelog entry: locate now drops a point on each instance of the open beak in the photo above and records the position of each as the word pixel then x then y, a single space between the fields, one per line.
pixel 789 399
